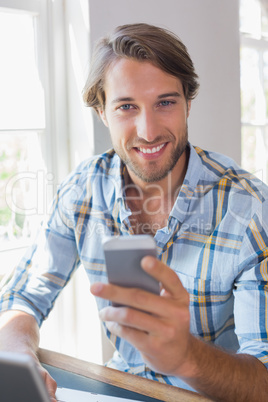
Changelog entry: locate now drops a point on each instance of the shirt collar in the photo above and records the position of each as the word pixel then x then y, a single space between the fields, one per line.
pixel 119 169
pixel 186 193
pixel 187 190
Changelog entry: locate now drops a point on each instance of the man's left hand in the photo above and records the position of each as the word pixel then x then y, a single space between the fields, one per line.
pixel 158 326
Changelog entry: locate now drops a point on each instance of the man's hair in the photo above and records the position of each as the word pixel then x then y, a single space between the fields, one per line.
pixel 141 42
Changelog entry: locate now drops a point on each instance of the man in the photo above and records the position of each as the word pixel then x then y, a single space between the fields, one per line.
pixel 207 329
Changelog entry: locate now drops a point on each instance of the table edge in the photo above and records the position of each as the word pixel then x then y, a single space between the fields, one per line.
pixel 154 389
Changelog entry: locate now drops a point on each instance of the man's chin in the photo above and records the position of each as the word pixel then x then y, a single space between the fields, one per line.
pixel 152 175
pixel 154 170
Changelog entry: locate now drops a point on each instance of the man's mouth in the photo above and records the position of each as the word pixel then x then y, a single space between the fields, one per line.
pixel 152 150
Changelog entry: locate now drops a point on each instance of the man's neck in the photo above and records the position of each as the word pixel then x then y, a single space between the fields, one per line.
pixel 151 203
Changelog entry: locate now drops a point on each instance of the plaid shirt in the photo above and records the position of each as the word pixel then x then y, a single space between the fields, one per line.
pixel 215 240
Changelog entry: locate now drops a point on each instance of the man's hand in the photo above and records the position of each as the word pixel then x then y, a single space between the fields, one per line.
pixel 158 326
pixel 19 332
pixel 50 384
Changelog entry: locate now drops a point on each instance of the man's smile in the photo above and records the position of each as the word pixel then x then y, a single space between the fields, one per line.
pixel 151 151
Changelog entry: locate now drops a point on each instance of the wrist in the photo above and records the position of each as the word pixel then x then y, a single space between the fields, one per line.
pixel 190 367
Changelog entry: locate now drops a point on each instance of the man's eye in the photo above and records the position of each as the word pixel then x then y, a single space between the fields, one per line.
pixel 166 103
pixel 125 107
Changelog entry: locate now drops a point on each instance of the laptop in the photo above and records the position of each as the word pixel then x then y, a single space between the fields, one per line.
pixel 20 380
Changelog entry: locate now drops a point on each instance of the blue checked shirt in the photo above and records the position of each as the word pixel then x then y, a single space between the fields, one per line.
pixel 216 241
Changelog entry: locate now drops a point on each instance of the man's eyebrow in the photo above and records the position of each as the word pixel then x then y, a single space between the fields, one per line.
pixel 177 94
pixel 118 100
pixel 128 99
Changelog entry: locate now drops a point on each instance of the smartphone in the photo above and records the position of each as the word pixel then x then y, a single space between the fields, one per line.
pixel 123 255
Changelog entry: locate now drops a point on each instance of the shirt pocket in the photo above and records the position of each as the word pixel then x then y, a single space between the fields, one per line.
pixel 211 306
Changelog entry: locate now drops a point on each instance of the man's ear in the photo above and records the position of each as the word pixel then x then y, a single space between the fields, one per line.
pixel 102 116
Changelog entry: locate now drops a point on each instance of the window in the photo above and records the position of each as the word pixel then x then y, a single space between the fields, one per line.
pixel 22 128
pixel 254 86
pixel 39 45
pixel 32 120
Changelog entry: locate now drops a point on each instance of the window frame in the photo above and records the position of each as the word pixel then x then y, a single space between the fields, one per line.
pixel 50 34
pixel 50 53
pixel 258 43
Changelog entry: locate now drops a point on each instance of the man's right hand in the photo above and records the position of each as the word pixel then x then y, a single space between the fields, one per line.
pixel 50 383
pixel 19 332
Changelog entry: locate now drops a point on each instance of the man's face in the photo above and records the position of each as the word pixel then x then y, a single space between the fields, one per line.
pixel 146 113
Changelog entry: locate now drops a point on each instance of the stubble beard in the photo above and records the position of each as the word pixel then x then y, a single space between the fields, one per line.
pixel 153 173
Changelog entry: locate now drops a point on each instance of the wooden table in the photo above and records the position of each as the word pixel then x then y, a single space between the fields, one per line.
pixel 153 389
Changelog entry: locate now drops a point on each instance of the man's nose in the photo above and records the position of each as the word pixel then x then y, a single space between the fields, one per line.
pixel 147 125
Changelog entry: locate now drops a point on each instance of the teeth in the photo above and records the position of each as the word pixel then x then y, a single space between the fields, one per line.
pixel 151 150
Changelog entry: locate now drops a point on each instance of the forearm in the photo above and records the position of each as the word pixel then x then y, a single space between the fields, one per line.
pixel 223 376
pixel 19 332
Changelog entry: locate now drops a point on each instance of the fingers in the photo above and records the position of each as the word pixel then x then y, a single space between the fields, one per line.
pixel 50 384
pixel 132 297
pixel 142 300
pixel 133 319
pixel 165 275
pixel 137 338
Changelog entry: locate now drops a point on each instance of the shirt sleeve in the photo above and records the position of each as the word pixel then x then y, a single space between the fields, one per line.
pixel 46 267
pixel 251 289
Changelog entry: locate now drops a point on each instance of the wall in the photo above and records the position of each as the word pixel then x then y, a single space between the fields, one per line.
pixel 210 30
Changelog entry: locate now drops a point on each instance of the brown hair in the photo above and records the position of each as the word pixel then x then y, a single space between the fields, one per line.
pixel 140 42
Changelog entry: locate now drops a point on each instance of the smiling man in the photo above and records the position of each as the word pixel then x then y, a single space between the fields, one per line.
pixel 207 330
